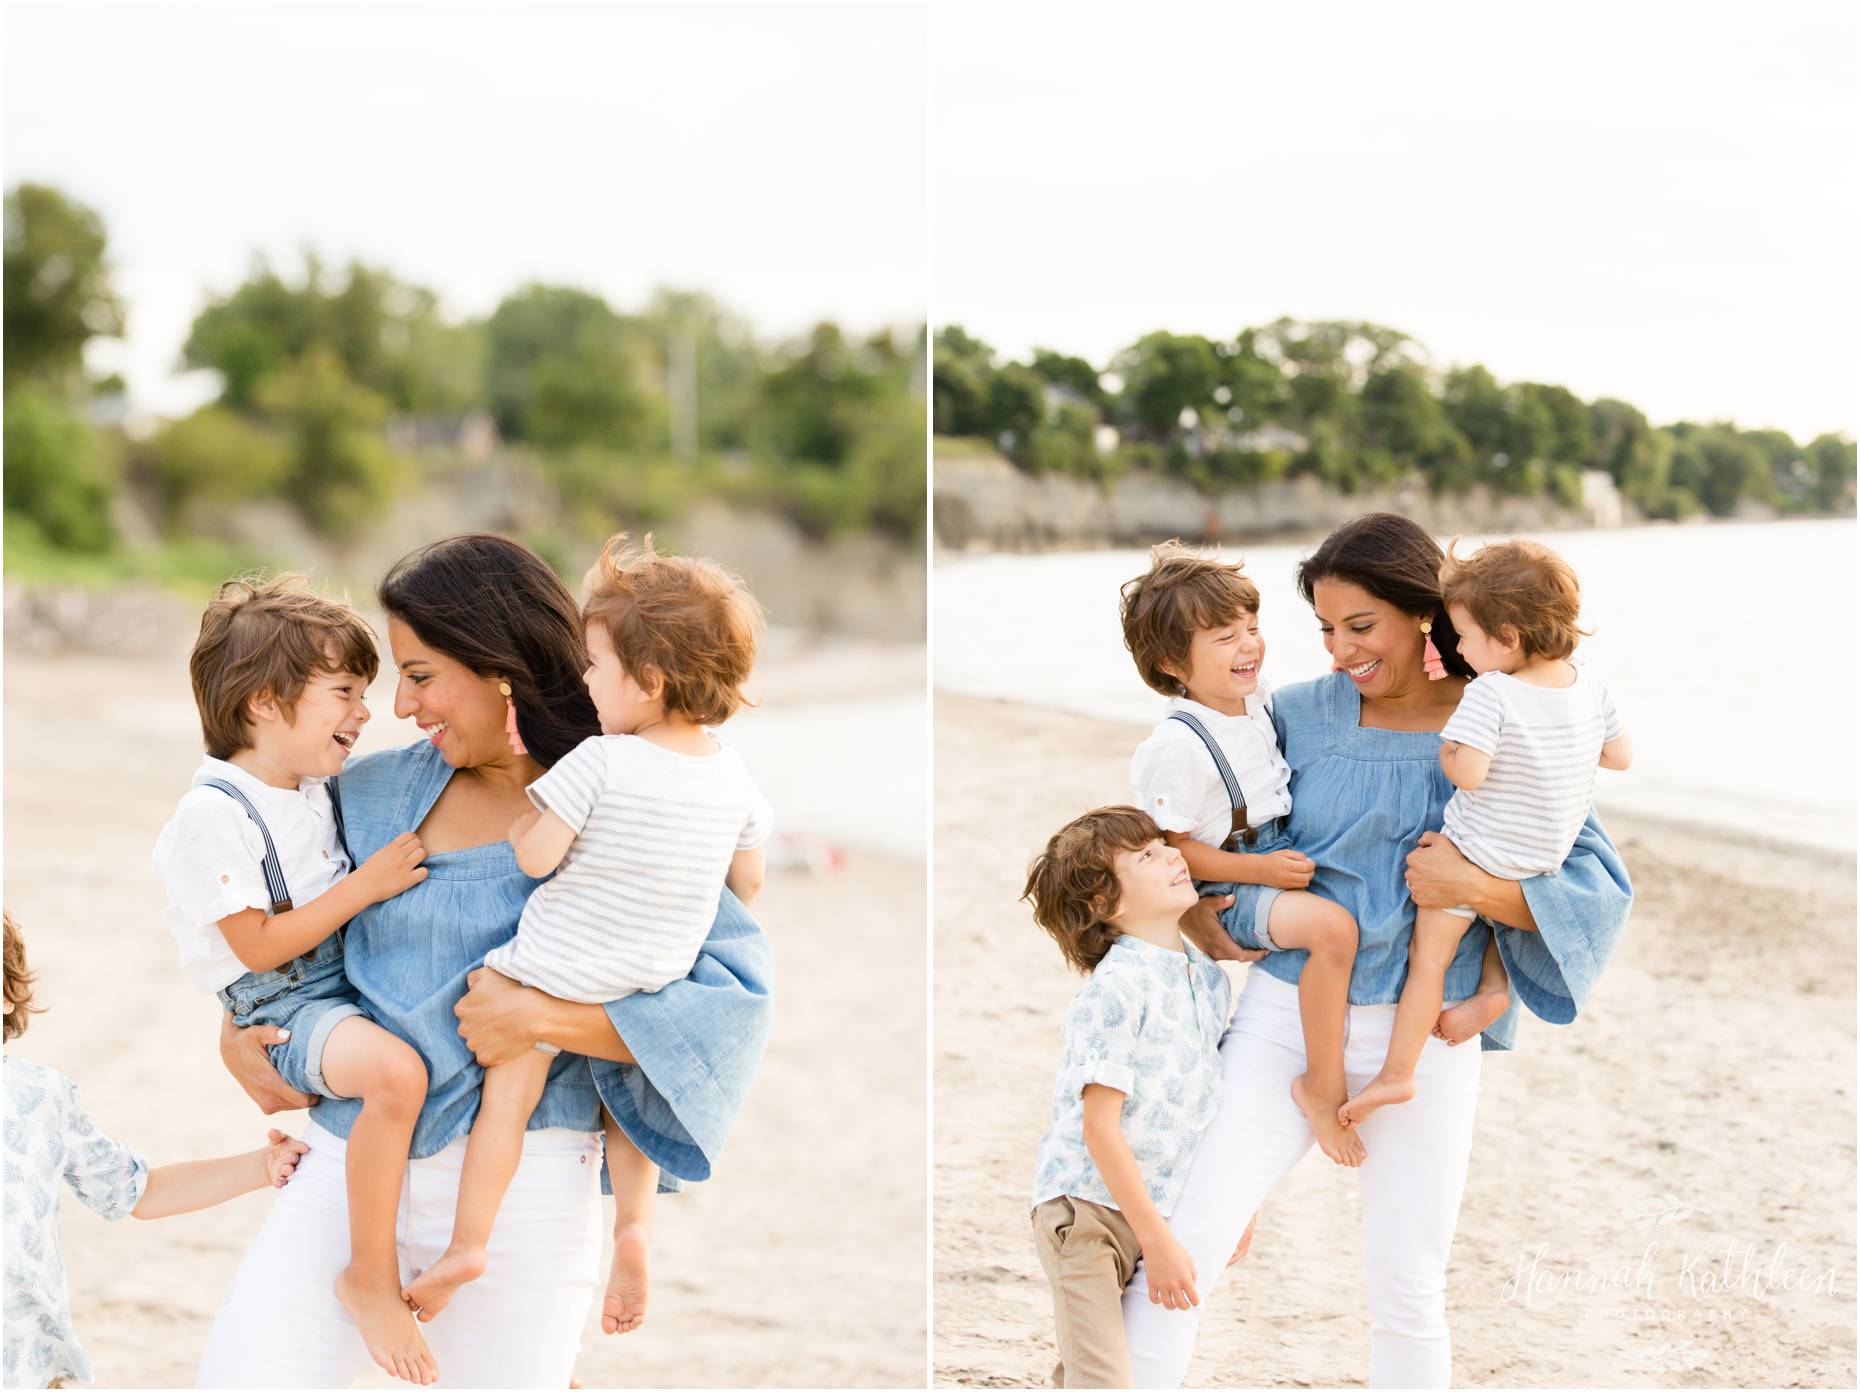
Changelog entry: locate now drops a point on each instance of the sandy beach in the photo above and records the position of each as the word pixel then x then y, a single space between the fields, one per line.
pixel 1661 1195
pixel 822 1179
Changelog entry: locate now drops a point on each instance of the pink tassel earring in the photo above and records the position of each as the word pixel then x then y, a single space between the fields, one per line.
pixel 510 720
pixel 1430 655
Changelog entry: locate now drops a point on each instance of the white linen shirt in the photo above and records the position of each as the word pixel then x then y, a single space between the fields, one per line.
pixel 1173 777
pixel 50 1139
pixel 211 859
pixel 1148 1023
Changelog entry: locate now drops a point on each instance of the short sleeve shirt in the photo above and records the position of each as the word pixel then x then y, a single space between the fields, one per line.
pixel 634 897
pixel 211 860
pixel 1174 778
pixel 1544 743
pixel 1148 1024
pixel 52 1142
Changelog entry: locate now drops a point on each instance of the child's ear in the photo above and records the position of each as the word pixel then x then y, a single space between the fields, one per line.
pixel 262 706
pixel 651 684
pixel 1508 636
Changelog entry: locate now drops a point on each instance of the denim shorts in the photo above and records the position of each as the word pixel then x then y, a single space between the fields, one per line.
pixel 309 996
pixel 1245 919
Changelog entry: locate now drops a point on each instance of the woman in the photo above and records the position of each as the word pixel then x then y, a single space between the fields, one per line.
pixel 1363 745
pixel 470 618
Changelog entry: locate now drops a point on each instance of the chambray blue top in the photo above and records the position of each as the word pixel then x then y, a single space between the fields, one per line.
pixel 1361 799
pixel 698 1041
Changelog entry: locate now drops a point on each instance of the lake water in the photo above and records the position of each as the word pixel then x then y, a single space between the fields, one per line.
pixel 1729 649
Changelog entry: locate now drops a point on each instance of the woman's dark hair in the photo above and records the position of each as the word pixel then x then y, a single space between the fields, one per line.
pixel 494 605
pixel 1394 559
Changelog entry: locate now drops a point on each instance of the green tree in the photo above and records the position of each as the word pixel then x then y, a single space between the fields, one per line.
pixel 1070 374
pixel 1831 463
pixel 60 473
pixel 1163 375
pixel 1016 406
pixel 214 457
pixel 962 369
pixel 57 282
pixel 563 369
pixel 340 471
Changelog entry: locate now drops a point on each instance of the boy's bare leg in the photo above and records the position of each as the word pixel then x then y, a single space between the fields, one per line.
pixel 635 1180
pixel 1470 1017
pixel 510 1093
pixel 360 1059
pixel 1437 935
pixel 1326 931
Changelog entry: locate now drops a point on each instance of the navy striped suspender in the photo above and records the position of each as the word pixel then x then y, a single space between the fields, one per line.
pixel 274 867
pixel 1235 797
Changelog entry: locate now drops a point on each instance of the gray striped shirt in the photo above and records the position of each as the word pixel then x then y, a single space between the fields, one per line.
pixel 1544 743
pixel 634 898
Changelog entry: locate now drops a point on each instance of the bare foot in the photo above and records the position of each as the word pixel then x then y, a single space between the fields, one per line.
pixel 1461 1022
pixel 432 1290
pixel 624 1308
pixel 1378 1092
pixel 1320 1108
pixel 387 1327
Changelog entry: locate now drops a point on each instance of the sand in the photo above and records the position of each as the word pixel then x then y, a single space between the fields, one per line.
pixel 1704 1099
pixel 820 1189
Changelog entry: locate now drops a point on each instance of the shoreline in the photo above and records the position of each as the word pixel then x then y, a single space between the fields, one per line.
pixel 1673 1088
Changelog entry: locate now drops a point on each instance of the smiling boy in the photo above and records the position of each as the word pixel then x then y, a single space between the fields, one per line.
pixel 1138 1084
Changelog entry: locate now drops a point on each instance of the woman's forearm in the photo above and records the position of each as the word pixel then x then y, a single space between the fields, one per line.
pixel 576 1028
pixel 1503 902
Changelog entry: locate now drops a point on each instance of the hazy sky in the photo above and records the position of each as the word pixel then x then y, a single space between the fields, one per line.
pixel 773 155
pixel 1652 203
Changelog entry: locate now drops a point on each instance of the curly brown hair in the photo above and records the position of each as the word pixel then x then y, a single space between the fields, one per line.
pixel 269 633
pixel 1180 595
pixel 1520 585
pixel 1073 882
pixel 689 621
pixel 18 982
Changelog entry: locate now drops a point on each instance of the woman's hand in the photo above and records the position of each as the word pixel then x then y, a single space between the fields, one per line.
pixel 243 1053
pixel 498 1017
pixel 1201 925
pixel 1440 877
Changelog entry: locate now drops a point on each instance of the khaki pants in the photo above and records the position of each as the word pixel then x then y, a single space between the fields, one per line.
pixel 1090 1254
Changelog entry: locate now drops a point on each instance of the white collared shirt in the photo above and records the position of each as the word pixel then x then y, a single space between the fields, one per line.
pixel 211 859
pixel 1175 780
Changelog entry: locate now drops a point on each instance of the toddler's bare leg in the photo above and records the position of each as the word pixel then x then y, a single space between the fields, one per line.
pixel 635 1180
pixel 360 1059
pixel 1470 1017
pixel 1437 935
pixel 511 1091
pixel 1326 931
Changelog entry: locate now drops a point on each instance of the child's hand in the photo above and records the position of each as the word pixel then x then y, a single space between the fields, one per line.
pixel 393 868
pixel 1171 1274
pixel 1289 869
pixel 282 1153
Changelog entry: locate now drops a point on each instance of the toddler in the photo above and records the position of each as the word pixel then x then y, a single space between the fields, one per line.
pixel 1212 776
pixel 1522 750
pixel 1139 1081
pixel 260 885
pixel 648 821
pixel 49 1137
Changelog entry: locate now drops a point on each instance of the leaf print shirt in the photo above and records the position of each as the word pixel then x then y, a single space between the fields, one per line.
pixel 1148 1023
pixel 50 1138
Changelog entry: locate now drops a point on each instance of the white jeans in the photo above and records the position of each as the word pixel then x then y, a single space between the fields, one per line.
pixel 518 1325
pixel 1411 1185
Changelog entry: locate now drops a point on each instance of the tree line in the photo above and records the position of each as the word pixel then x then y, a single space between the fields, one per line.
pixel 1358 405
pixel 339 389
